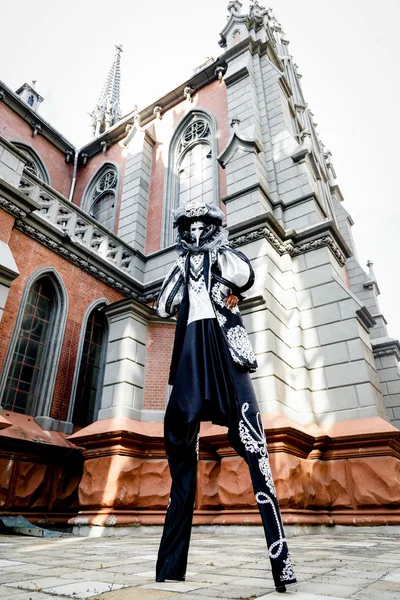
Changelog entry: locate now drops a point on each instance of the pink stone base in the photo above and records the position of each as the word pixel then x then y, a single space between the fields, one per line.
pixel 348 474
pixel 40 472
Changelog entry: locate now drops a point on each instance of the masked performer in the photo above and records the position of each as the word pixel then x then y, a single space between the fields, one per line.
pixel 211 361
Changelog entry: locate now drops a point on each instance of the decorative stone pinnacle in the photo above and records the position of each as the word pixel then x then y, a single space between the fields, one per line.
pixel 256 10
pixel 234 7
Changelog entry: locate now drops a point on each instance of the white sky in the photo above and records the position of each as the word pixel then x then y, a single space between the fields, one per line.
pixel 347 51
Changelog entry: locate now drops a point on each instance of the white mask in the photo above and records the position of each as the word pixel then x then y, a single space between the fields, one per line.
pixel 197 229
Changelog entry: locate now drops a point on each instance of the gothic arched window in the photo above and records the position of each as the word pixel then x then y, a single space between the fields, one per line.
pixel 90 375
pixel 34 351
pixel 101 196
pixel 34 164
pixel 192 173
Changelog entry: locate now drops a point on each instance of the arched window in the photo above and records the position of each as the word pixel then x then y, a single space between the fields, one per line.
pixel 192 172
pixel 100 198
pixel 35 350
pixel 35 164
pixel 90 375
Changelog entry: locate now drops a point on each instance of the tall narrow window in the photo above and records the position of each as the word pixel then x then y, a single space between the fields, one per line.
pixel 101 196
pixel 20 394
pixel 193 171
pixel 88 391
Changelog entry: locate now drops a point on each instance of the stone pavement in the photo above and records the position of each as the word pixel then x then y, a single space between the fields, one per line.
pixel 223 563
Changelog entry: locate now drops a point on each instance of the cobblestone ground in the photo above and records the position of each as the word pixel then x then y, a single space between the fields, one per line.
pixel 360 566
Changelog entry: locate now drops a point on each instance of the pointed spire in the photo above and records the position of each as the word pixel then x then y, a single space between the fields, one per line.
pixel 107 110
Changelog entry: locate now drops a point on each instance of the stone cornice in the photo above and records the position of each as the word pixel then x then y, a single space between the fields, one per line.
pixel 274 203
pixel 324 235
pixel 122 307
pixel 365 317
pixel 58 242
pixel 386 347
pixel 254 47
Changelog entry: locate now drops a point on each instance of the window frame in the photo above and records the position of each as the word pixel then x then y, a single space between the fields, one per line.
pixel 88 199
pixel 48 373
pixel 171 181
pixel 32 155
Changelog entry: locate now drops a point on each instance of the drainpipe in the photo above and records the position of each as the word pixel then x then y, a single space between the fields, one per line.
pixel 71 192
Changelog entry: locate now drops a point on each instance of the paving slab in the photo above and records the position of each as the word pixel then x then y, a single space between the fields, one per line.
pixel 138 594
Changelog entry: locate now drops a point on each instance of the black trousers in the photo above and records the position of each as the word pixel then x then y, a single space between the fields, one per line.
pixel 233 394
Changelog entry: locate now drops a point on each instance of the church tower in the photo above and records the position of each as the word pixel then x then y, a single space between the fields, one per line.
pixel 107 110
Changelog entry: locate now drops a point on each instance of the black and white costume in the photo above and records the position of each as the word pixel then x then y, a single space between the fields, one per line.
pixel 211 361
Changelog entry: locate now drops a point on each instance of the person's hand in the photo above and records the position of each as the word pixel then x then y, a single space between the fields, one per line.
pixel 231 302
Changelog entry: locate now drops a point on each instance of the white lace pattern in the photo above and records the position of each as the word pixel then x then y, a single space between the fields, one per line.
pixel 254 441
pixel 239 341
pixel 288 571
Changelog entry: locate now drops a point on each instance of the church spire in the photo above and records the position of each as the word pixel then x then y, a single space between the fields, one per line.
pixel 107 110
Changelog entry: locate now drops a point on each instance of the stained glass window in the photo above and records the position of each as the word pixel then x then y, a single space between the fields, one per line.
pixel 89 380
pixel 195 169
pixel 192 172
pixel 103 209
pixel 103 197
pixel 27 361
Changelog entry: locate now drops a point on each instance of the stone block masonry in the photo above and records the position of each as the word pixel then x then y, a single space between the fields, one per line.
pixel 135 192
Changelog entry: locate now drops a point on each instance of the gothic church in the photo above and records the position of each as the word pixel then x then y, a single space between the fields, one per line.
pixel 85 241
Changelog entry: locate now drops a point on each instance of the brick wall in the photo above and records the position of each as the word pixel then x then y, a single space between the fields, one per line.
pixel 13 128
pixel 6 225
pixel 212 98
pixel 160 339
pixel 85 173
pixel 82 291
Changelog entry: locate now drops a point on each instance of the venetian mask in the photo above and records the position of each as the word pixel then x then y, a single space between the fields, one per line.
pixel 198 229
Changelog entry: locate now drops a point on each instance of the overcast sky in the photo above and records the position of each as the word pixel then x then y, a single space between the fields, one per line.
pixel 347 51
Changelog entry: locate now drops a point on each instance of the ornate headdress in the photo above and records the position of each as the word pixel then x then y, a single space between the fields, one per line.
pixel 196 210
pixel 193 211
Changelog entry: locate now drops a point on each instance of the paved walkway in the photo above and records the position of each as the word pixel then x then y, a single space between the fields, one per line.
pixel 364 566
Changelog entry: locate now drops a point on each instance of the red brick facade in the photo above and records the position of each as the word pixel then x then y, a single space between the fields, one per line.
pixel 160 339
pixel 6 225
pixel 14 129
pixel 82 290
